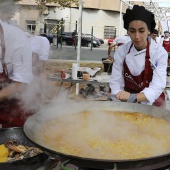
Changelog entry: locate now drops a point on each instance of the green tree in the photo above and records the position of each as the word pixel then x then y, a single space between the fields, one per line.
pixel 61 3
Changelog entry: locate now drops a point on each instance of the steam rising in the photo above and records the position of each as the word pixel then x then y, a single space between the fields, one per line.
pixel 96 133
pixel 8 9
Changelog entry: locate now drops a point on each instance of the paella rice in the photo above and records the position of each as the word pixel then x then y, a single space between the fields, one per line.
pixel 107 135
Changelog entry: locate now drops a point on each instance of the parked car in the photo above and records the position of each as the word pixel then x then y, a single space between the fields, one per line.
pixel 110 40
pixel 101 40
pixel 66 38
pixel 85 40
pixel 94 37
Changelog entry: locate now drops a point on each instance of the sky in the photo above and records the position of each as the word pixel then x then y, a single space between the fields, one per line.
pixel 164 4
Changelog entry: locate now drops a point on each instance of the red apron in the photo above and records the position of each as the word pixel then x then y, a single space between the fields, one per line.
pixel 11 112
pixel 166 45
pixel 135 84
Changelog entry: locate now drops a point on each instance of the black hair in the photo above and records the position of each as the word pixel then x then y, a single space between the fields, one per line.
pixel 155 31
pixel 139 13
pixel 166 32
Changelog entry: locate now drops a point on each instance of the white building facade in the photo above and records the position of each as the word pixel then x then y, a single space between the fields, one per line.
pixel 102 16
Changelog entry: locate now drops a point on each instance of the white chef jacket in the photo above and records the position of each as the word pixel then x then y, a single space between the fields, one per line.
pixel 18 56
pixel 135 61
pixel 40 46
pixel 121 39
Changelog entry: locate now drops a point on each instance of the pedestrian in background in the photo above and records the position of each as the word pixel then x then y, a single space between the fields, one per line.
pixel 74 38
pixel 40 47
pixel 118 41
pixel 153 35
pixel 165 41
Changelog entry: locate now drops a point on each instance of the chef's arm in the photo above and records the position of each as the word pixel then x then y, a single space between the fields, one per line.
pixel 11 90
pixel 141 97
pixel 109 50
pixel 41 65
pixel 126 96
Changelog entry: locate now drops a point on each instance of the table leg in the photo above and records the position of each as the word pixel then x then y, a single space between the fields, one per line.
pixel 59 88
pixel 69 88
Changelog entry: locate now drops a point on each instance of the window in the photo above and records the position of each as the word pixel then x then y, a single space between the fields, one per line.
pixel 109 32
pixel 31 25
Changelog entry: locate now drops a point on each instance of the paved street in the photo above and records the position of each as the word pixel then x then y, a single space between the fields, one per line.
pixel 69 53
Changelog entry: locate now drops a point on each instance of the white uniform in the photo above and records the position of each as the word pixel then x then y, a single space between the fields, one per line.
pixel 121 40
pixel 135 61
pixel 18 56
pixel 40 46
pixel 40 52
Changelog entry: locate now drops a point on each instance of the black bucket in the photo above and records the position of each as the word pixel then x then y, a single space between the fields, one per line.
pixel 107 66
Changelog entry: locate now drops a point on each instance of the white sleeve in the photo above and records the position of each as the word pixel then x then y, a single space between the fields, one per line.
pixel 117 78
pixel 115 41
pixel 44 51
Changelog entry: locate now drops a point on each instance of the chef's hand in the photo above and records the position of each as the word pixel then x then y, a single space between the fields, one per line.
pixel 122 96
pixel 109 57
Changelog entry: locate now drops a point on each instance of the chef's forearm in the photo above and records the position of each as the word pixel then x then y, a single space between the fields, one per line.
pixel 42 65
pixel 141 97
pixel 10 90
pixel 110 48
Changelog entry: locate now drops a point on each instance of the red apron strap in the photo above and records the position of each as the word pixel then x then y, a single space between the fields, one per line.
pixel 147 67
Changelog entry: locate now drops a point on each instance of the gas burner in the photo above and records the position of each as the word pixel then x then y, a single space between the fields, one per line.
pixel 54 164
pixel 78 168
pixel 67 164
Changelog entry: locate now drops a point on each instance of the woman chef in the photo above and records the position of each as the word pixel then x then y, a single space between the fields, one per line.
pixel 15 72
pixel 139 68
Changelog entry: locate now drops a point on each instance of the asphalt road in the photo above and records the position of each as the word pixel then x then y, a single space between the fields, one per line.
pixel 86 54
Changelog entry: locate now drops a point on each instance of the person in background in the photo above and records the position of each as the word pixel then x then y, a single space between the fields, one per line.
pixel 40 51
pixel 166 41
pixel 15 68
pixel 139 68
pixel 166 44
pixel 40 47
pixel 153 35
pixel 73 38
pixel 118 41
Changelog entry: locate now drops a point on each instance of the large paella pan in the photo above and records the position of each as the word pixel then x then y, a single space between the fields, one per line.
pixel 101 135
